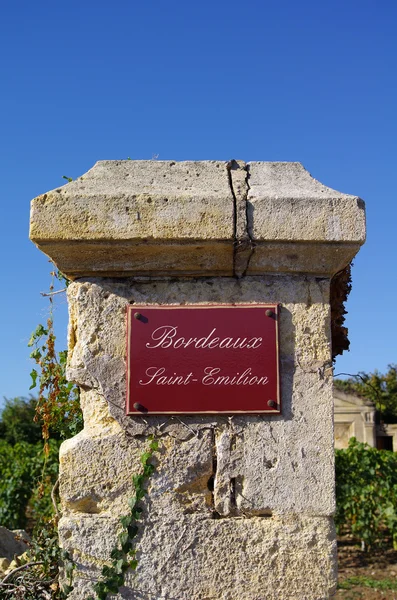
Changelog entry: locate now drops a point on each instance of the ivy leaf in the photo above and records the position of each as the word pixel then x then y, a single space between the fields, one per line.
pixel 132 502
pixel 133 564
pixel 145 457
pixel 38 332
pixel 33 375
pixel 112 585
pixel 126 520
pixel 116 554
pixel 100 590
pixel 137 480
pixel 132 531
pixel 148 470
pixel 63 355
pixel 154 445
pixel 119 566
pixel 35 354
pixel 124 540
pixel 107 571
pixel 136 513
pixel 140 494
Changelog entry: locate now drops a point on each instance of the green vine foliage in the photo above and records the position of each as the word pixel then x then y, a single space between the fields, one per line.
pixel 17 421
pixel 58 404
pixel 366 493
pixel 25 495
pixel 123 556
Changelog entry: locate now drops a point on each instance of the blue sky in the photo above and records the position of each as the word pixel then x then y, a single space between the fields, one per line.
pixel 293 81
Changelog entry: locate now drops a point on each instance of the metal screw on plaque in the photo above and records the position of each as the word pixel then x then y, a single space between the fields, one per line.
pixel 137 316
pixel 269 313
pixel 272 404
pixel 139 407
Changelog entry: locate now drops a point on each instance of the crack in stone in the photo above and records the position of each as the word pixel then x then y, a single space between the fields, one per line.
pixel 211 480
pixel 243 245
pixel 248 223
pixel 229 174
pixel 233 501
pixel 225 482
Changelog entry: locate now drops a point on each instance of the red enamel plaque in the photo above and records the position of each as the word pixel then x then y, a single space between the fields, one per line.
pixel 203 359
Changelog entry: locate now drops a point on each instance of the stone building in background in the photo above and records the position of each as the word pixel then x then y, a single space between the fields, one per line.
pixel 355 416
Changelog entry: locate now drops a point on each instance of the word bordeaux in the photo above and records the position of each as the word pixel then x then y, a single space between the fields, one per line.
pixel 203 359
pixel 163 337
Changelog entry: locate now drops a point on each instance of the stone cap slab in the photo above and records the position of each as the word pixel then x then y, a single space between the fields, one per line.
pixel 287 204
pixel 205 218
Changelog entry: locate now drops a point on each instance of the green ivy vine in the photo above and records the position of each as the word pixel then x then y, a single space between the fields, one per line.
pixel 123 556
pixel 58 403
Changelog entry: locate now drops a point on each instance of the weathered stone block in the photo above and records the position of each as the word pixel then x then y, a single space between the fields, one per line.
pixel 138 208
pixel 287 204
pixel 281 558
pixel 299 225
pixel 256 474
pixel 142 218
pixel 294 450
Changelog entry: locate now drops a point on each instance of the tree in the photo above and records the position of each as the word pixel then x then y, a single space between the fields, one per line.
pixel 25 493
pixel 380 388
pixel 17 421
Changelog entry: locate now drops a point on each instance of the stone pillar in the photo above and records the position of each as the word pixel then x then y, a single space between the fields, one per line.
pixel 240 507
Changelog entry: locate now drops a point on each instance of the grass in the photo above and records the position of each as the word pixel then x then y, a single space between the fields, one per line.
pixel 379 584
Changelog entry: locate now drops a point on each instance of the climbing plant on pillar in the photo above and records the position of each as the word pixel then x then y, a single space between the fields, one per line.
pixel 58 404
pixel 59 414
pixel 123 555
